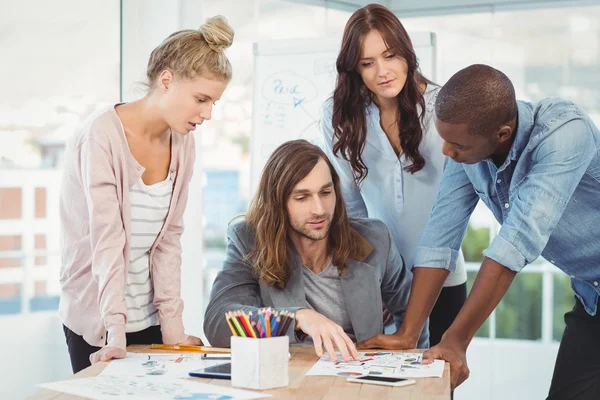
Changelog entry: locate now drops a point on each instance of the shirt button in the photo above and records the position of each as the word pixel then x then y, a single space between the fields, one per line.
pixel 595 283
pixel 499 181
pixel 506 205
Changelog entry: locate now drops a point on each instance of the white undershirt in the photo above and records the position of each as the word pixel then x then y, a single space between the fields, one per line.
pixel 149 207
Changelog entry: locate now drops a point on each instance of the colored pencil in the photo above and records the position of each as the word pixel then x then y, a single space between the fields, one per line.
pixel 231 327
pixel 237 325
pixel 263 323
pixel 244 318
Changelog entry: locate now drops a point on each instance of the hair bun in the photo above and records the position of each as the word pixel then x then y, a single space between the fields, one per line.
pixel 217 33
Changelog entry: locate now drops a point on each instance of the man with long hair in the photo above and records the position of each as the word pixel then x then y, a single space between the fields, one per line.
pixel 297 250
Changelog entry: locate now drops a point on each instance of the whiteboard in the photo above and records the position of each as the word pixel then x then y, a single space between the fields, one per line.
pixel 292 79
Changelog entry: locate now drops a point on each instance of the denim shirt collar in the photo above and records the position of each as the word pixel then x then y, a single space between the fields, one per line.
pixel 525 126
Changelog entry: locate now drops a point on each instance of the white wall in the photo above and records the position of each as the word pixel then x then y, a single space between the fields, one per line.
pixel 508 369
pixel 33 351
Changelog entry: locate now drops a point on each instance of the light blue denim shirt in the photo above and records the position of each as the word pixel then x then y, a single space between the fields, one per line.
pixel 546 195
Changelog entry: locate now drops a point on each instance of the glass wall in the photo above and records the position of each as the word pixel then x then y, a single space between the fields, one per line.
pixel 546 53
pixel 60 62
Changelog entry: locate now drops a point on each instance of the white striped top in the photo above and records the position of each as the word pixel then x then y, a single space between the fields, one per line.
pixel 149 207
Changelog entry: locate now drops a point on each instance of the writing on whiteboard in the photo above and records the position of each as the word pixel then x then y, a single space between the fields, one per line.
pixel 326 66
pixel 289 88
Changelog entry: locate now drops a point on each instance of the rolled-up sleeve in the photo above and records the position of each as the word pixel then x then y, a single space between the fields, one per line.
pixel 443 235
pixel 559 162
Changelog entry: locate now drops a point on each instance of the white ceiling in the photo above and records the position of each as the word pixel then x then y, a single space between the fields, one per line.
pixel 433 7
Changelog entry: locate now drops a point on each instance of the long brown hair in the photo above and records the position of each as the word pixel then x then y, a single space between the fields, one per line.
pixel 268 217
pixel 351 96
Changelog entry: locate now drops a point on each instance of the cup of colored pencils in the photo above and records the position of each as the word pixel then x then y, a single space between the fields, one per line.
pixel 259 348
pixel 264 323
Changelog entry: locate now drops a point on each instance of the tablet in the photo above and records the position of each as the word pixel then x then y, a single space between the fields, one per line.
pixel 220 371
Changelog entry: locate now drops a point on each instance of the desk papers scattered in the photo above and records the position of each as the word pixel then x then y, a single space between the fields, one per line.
pixel 380 363
pixel 148 388
pixel 159 364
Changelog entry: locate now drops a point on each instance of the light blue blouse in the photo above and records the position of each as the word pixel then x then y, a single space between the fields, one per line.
pixel 403 201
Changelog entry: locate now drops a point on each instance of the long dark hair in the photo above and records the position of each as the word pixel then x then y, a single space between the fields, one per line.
pixel 351 96
pixel 268 217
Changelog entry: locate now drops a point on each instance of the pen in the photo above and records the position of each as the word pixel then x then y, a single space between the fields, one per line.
pixel 199 349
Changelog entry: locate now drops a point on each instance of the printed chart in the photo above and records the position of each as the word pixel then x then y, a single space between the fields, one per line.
pixel 381 363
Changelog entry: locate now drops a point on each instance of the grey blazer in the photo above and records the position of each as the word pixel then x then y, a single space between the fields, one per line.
pixel 378 274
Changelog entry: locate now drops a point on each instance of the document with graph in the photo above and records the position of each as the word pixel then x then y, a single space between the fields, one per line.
pixel 381 363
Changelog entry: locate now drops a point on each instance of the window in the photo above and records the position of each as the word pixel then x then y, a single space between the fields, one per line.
pixel 545 52
pixel 63 58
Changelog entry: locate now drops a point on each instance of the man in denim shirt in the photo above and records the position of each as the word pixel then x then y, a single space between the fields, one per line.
pixel 537 167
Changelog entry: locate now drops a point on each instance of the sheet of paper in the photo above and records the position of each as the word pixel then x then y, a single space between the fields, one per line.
pixel 148 388
pixel 381 363
pixel 159 364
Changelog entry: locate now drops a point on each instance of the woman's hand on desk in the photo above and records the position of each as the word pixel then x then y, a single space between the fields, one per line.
pixel 325 333
pixel 107 354
pixel 191 341
pixel 395 341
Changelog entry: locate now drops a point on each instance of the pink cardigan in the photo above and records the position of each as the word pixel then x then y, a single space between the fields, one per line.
pixel 95 220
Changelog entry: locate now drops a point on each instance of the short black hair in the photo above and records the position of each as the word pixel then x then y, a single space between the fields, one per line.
pixel 480 96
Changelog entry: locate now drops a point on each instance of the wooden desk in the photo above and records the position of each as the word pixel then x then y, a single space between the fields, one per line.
pixel 305 387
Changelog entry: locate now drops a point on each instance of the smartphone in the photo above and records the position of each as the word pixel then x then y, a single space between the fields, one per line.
pixel 381 380
pixel 220 371
pixel 216 356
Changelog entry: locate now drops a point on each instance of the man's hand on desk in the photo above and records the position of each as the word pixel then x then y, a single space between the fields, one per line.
pixel 107 354
pixel 325 333
pixel 452 351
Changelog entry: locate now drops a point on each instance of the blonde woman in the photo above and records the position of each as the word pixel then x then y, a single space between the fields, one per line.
pixel 123 195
